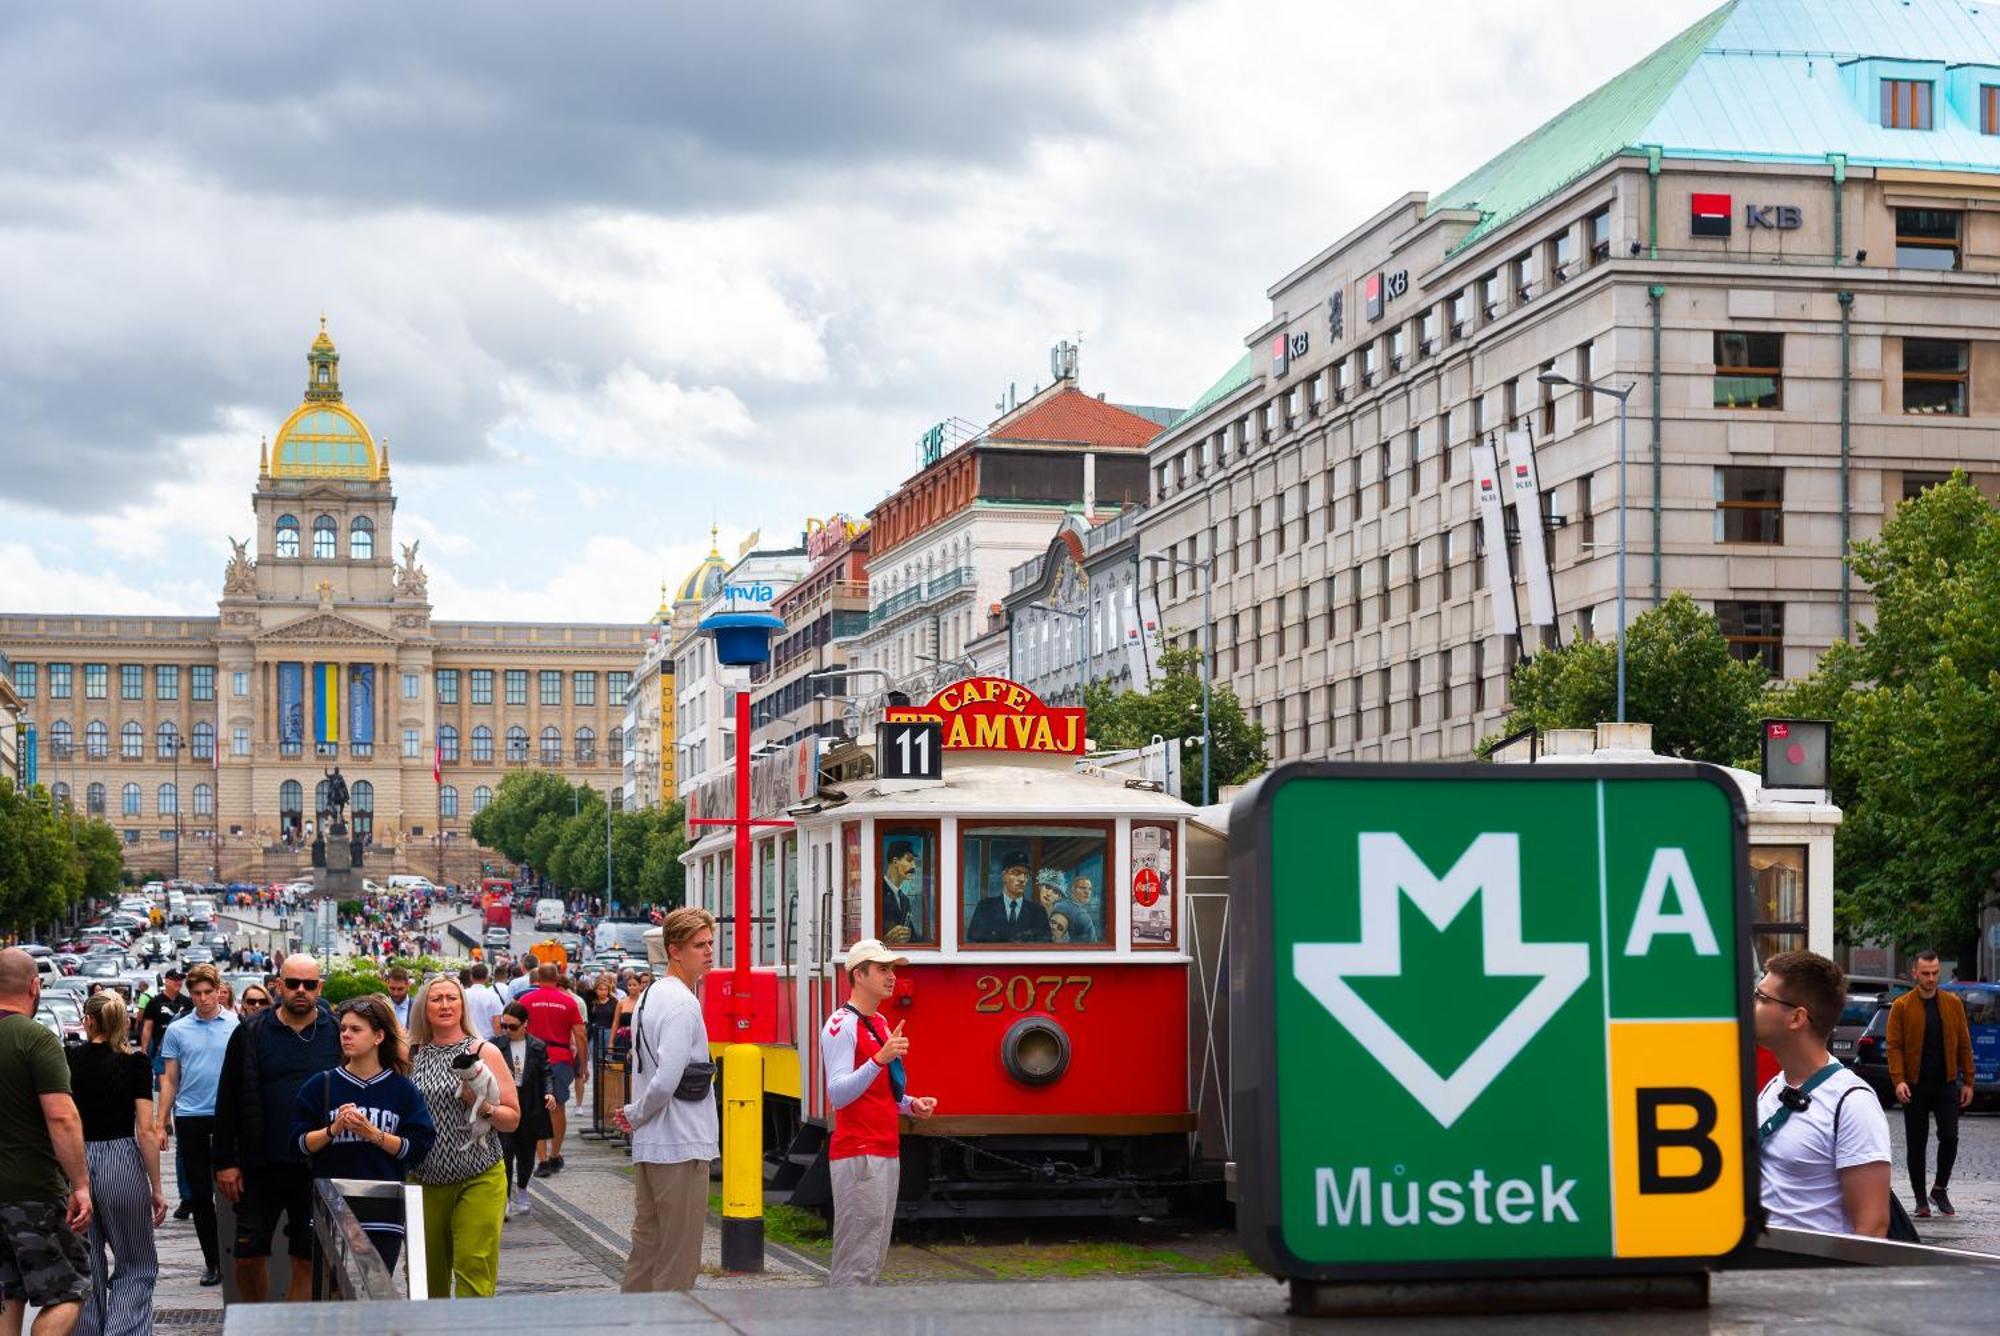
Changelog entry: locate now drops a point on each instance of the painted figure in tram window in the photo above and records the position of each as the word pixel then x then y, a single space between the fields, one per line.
pixel 1050 888
pixel 1060 931
pixel 902 909
pixel 1082 923
pixel 1013 915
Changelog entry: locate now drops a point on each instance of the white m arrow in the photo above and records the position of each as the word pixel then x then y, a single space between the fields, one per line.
pixel 1390 869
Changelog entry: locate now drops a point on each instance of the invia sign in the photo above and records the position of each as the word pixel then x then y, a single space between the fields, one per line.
pixel 760 593
pixel 1500 1013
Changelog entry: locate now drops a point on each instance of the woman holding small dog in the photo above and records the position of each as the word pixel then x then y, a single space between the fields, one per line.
pixel 465 1082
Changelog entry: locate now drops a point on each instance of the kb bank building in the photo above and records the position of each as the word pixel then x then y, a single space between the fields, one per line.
pixel 1777 237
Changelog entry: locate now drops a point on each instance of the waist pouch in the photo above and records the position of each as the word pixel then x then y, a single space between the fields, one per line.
pixel 696 1081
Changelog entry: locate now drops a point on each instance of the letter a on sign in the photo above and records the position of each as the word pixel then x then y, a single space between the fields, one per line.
pixel 1670 873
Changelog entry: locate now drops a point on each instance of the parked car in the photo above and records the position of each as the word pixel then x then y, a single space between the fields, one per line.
pixel 1864 994
pixel 67 1012
pixel 197 955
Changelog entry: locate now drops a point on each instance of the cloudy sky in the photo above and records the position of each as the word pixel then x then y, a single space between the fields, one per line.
pixel 599 272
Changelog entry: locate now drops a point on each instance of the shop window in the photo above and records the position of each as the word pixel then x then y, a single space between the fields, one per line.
pixel 1927 238
pixel 1935 372
pixel 1755 632
pixel 1778 875
pixel 1749 505
pixel 1749 369
pixel 1033 884
pixel 1906 104
pixel 906 867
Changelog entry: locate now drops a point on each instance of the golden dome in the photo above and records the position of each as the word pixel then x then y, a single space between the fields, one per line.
pixel 323 438
pixel 704 582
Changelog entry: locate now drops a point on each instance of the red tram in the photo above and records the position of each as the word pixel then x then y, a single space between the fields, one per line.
pixel 1063 998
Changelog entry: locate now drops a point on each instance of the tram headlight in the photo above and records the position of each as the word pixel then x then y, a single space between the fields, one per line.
pixel 1035 1051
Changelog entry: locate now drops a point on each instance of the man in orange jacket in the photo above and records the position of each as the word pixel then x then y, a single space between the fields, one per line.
pixel 1930 1060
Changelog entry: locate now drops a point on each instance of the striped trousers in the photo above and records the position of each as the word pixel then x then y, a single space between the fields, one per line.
pixel 121 1223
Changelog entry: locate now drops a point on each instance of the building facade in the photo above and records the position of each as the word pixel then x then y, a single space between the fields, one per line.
pixel 1804 336
pixel 1080 612
pixel 212 736
pixel 649 719
pixel 705 690
pixel 795 697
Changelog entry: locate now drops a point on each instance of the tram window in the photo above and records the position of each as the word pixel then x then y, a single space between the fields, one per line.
pixel 1152 886
pixel 906 866
pixel 1037 884
pixel 850 886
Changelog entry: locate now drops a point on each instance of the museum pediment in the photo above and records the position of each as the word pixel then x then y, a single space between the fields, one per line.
pixel 322 628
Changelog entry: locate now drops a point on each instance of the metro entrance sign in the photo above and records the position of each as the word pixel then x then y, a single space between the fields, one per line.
pixel 1501 1018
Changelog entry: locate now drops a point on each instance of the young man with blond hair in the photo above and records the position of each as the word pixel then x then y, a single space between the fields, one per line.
pixel 672 1118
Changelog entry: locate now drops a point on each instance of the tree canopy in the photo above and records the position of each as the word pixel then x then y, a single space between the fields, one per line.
pixel 1172 709
pixel 50 859
pixel 558 829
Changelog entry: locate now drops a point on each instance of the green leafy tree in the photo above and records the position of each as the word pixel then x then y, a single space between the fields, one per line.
pixel 1172 709
pixel 103 859
pixel 1915 701
pixel 519 804
pixel 1703 703
pixel 41 873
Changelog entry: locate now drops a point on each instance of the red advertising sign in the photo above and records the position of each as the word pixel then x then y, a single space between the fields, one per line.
pixel 993 714
pixel 1146 887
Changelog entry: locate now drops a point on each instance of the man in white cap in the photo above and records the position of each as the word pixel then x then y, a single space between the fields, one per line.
pixel 864 1084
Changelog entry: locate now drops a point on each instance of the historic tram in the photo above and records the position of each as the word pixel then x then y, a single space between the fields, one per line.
pixel 1063 998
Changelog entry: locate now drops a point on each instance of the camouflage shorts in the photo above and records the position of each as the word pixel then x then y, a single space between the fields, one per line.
pixel 42 1259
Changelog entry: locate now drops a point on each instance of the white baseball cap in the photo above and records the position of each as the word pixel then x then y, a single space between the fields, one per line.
pixel 868 951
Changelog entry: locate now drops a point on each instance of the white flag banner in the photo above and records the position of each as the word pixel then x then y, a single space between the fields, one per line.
pixel 1524 485
pixel 1142 641
pixel 1499 575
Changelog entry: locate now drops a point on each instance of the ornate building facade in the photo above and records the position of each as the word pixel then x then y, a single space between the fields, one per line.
pixel 209 737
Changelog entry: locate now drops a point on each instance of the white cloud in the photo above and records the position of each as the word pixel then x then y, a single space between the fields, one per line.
pixel 626 415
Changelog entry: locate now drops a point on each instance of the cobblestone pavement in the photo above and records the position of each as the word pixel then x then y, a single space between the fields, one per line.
pixel 1975 1182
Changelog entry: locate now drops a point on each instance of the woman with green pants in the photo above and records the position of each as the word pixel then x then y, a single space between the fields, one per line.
pixel 465 1183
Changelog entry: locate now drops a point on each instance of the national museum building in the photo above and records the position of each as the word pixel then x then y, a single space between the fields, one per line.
pixel 212 735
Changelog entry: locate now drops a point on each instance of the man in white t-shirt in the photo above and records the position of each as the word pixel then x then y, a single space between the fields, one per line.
pixel 1825 1141
pixel 483 1004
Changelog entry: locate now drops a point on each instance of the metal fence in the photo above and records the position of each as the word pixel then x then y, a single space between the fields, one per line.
pixel 345 1263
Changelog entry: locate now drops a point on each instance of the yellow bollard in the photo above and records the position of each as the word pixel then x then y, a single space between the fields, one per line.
pixel 742 1158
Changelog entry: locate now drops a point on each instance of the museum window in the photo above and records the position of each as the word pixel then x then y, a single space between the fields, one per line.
pixel 62 740
pixel 363 808
pixel 1778 898
pixel 166 681
pixel 201 745
pixel 201 682
pixel 482 745
pixel 447 745
pixel 131 681
pixel 482 686
pixel 447 685
pixel 413 686
pixel 551 745
pixel 166 741
pixel 131 741
pixel 551 686
pixel 239 684
pixel 1033 883
pixel 614 747
pixel 288 535
pixel 517 745
pixel 583 688
pixel 482 798
pixel 361 538
pixel 1749 369
pixel 1927 238
pixel 1749 505
pixel 204 799
pixel 239 742
pixel 615 686
pixel 93 801
pixel 291 807
pixel 586 746
pixel 326 538
pixel 1755 632
pixel 448 801
pixel 517 686
pixel 24 680
pixel 1935 372
pixel 167 802
pixel 1906 105
pixel 413 743
pixel 128 800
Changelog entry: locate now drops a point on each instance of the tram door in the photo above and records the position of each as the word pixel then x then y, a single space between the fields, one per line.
pixel 815 909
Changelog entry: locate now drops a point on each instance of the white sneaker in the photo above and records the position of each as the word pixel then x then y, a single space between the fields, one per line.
pixel 526 1205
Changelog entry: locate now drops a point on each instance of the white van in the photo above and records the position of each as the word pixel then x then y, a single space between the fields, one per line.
pixel 549 914
pixel 201 913
pixel 404 883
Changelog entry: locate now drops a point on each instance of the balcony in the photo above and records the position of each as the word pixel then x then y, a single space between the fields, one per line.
pixel 959 578
pixel 896 603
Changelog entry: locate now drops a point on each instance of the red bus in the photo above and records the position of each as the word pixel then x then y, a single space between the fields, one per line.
pixel 496 902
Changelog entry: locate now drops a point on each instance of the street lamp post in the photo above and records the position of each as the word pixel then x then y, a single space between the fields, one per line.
pixel 1621 395
pixel 1207 568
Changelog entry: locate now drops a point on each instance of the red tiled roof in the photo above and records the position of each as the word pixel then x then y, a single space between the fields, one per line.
pixel 1071 416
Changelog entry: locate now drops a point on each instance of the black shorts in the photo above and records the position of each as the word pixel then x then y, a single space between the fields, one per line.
pixel 269 1191
pixel 42 1259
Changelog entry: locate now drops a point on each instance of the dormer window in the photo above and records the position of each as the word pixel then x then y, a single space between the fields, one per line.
pixel 1989 109
pixel 1906 104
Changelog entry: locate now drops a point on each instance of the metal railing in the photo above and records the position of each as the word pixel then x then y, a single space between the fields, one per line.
pixel 345 1263
pixel 956 578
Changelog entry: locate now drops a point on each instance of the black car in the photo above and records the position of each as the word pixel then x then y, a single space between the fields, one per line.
pixel 1871 1055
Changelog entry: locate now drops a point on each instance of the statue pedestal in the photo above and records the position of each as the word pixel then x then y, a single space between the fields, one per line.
pixel 339 879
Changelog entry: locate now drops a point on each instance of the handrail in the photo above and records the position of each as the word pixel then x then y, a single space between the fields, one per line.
pixel 345 1263
pixel 1856 1250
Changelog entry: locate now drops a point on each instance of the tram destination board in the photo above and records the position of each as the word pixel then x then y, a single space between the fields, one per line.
pixel 1499 1016
pixel 912 749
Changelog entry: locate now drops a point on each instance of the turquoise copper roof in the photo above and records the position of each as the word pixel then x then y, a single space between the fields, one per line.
pixel 1232 380
pixel 1767 81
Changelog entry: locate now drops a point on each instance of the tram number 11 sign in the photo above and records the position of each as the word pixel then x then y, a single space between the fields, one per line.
pixel 1499 1016
pixel 912 750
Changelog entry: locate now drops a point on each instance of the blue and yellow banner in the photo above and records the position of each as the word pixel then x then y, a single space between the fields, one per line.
pixel 291 703
pixel 361 704
pixel 326 702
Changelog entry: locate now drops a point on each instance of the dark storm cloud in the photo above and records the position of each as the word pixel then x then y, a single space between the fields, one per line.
pixel 498 107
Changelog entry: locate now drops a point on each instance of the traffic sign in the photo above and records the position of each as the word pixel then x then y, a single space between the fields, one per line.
pixel 910 750
pixel 1494 1022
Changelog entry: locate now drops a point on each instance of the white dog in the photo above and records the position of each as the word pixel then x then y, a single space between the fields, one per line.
pixel 484 1089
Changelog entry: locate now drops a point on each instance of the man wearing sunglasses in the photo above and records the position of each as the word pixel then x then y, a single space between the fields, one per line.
pixel 257 1165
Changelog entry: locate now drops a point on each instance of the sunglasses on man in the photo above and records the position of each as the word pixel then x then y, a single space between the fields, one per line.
pixel 293 985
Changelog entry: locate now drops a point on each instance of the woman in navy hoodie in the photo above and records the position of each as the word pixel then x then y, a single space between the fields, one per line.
pixel 364 1119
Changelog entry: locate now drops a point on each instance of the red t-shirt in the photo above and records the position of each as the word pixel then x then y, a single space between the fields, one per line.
pixel 864 1123
pixel 551 1014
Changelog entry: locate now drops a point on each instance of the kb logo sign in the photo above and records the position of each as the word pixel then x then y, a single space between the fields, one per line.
pixel 1501 1011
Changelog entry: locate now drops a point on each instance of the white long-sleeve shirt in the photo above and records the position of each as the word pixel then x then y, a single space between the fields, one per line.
pixel 667 1034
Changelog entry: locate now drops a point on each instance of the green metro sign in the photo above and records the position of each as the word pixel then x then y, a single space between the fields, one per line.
pixel 1498 1019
